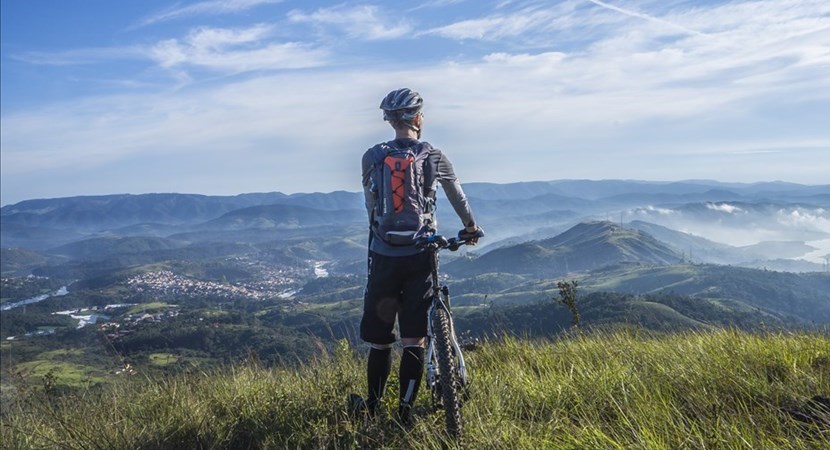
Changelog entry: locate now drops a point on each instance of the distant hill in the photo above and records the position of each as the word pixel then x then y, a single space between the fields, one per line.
pixel 693 247
pixel 19 261
pixel 765 254
pixel 35 237
pixel 586 246
pixel 282 216
pixel 108 246
pixel 111 211
pixel 802 296
pixel 95 213
pixel 604 189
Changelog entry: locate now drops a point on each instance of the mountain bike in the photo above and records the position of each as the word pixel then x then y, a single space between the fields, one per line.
pixel 447 376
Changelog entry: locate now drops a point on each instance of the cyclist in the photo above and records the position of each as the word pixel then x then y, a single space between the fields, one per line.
pixel 399 280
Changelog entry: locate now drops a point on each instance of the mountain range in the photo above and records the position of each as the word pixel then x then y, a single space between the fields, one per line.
pixel 777 225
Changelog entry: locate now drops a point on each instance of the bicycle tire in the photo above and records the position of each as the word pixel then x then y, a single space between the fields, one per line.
pixel 448 370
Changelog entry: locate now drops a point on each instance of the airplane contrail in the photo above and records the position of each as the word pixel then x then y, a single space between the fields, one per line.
pixel 646 17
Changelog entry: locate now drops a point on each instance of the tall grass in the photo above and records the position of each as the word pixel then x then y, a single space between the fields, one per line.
pixel 621 390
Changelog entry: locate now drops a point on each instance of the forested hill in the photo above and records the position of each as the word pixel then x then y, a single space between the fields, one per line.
pixel 586 246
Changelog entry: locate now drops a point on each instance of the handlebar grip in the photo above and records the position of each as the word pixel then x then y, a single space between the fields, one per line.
pixel 465 236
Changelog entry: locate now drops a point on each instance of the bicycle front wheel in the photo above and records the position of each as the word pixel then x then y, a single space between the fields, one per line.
pixel 448 371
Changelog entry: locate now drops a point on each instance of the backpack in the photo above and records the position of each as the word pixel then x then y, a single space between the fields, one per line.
pixel 405 203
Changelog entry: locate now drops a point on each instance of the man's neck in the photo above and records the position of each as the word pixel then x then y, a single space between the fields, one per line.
pixel 406 134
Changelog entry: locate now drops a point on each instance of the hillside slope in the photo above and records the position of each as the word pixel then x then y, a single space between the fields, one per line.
pixel 721 389
pixel 586 246
pixel 803 296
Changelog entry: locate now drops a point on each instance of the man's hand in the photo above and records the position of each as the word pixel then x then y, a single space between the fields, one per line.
pixel 471 234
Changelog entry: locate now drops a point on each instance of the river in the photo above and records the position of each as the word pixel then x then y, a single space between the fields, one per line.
pixel 59 293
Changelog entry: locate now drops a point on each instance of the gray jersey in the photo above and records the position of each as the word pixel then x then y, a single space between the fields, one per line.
pixel 440 170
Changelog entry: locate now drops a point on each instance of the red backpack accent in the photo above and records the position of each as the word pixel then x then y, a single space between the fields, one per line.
pixel 397 167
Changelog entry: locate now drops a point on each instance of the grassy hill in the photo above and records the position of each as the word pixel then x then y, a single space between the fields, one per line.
pixel 632 390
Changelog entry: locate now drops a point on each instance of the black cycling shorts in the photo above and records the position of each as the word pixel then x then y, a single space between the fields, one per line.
pixel 398 286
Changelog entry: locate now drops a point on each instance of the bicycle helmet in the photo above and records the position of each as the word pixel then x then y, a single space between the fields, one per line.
pixel 401 104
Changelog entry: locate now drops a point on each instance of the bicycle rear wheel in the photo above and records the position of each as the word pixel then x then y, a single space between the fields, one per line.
pixel 448 371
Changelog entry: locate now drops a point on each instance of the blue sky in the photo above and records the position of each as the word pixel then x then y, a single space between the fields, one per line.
pixel 233 96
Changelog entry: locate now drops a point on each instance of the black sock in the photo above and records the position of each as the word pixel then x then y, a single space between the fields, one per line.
pixel 377 371
pixel 411 372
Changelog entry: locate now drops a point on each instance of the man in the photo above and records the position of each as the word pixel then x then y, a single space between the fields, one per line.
pixel 400 279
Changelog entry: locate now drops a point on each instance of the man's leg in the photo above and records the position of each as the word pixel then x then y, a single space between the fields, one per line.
pixel 411 372
pixel 412 319
pixel 380 307
pixel 377 372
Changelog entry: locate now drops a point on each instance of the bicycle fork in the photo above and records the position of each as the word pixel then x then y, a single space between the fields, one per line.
pixel 442 300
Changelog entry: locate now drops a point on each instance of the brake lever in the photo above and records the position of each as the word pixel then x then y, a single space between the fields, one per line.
pixel 453 244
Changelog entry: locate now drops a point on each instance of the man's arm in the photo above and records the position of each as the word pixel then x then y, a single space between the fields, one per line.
pixel 368 195
pixel 452 188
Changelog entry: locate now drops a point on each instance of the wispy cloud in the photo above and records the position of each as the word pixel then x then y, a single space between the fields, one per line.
pixel 80 56
pixel 536 25
pixel 235 51
pixel 211 7
pixel 365 22
pixel 495 27
pixel 435 4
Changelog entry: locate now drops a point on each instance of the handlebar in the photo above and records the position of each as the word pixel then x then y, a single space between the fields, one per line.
pixel 438 242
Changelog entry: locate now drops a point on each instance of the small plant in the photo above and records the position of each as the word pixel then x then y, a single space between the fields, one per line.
pixel 50 384
pixel 567 296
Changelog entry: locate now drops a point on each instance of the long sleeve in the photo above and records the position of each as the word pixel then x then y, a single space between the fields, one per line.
pixel 369 196
pixel 445 175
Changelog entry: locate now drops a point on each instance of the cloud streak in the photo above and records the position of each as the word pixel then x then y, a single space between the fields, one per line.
pixel 357 22
pixel 645 17
pixel 235 51
pixel 80 56
pixel 212 7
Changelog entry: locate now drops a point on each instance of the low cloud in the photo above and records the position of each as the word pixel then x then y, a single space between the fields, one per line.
pixel 648 210
pixel 816 219
pixel 723 207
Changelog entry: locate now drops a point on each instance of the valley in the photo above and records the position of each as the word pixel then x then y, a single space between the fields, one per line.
pixel 206 281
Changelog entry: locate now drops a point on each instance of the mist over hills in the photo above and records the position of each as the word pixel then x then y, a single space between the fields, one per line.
pixel 704 221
